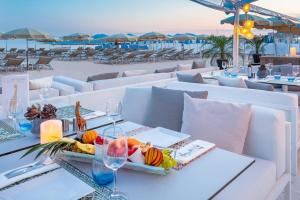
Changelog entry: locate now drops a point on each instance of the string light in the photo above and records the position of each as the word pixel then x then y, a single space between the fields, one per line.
pixel 244 30
pixel 249 24
pixel 249 35
pixel 246 8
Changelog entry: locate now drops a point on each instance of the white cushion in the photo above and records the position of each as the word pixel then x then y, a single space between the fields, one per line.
pixel 224 124
pixel 253 184
pixel 78 85
pixel 266 138
pixel 133 111
pixel 122 81
pixel 134 73
pixel 36 84
pixel 64 89
pixel 232 82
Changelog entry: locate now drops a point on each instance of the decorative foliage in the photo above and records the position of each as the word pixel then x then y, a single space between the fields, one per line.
pixel 220 47
pixel 257 44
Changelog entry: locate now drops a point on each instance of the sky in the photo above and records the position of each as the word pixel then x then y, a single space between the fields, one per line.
pixel 61 17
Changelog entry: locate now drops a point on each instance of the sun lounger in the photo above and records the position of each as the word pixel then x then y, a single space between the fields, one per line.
pixel 13 64
pixel 43 61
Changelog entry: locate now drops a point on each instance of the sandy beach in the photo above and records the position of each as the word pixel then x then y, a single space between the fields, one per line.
pixel 82 69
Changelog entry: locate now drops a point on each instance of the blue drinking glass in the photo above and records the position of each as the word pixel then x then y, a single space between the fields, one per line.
pixel 101 174
pixel 291 78
pixel 277 75
pixel 25 125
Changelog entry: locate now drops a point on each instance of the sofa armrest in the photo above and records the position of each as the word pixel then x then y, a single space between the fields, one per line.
pixel 79 85
pixel 266 137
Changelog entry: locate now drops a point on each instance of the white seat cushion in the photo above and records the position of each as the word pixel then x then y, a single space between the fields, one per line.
pixel 245 188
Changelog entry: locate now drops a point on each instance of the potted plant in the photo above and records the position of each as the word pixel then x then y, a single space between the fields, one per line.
pixel 219 49
pixel 257 44
pixel 37 115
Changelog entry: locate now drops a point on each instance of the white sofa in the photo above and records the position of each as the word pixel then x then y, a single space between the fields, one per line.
pixel 269 145
pixel 282 101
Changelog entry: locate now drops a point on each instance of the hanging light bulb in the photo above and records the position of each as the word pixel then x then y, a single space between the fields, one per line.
pixel 244 30
pixel 246 8
pixel 249 24
pixel 249 35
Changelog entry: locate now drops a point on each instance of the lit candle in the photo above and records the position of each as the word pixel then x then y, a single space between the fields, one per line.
pixel 293 51
pixel 51 131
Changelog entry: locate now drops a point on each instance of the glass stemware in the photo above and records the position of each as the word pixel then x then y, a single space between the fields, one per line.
pixel 115 154
pixel 13 111
pixel 295 71
pixel 113 110
pixel 270 69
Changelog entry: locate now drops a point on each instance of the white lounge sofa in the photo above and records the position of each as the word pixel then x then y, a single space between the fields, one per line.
pixel 269 145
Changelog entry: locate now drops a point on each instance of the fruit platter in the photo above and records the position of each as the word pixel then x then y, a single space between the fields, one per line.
pixel 141 156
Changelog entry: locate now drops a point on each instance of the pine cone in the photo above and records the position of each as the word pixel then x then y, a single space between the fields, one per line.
pixel 33 112
pixel 48 112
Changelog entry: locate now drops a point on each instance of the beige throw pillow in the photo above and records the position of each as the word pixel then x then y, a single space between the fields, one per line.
pixel 224 124
pixel 41 83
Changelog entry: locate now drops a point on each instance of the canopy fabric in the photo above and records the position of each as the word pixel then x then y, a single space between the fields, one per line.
pixel 153 36
pixel 99 36
pixel 76 37
pixel 258 21
pixel 183 37
pixel 119 38
pixel 24 33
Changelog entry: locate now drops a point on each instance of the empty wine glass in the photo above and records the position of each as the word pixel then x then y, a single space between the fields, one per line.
pixel 115 155
pixel 113 110
pixel 295 71
pixel 13 111
pixel 270 69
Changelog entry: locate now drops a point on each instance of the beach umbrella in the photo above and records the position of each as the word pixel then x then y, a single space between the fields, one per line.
pixel 25 33
pixel 99 36
pixel 183 37
pixel 76 37
pixel 258 21
pixel 152 36
pixel 119 38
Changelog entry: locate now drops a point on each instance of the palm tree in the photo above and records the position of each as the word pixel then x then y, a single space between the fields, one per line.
pixel 219 49
pixel 257 44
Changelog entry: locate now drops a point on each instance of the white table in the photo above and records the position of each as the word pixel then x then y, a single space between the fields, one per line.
pixel 30 140
pixel 204 178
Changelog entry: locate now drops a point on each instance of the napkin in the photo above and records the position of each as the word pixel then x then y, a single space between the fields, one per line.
pixel 58 184
pixel 4 181
pixel 192 151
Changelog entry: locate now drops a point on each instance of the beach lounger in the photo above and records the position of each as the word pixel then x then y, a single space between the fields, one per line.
pixel 13 64
pixel 43 61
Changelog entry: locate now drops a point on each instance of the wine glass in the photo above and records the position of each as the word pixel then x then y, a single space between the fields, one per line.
pixel 113 110
pixel 270 69
pixel 44 94
pixel 115 154
pixel 295 71
pixel 13 111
